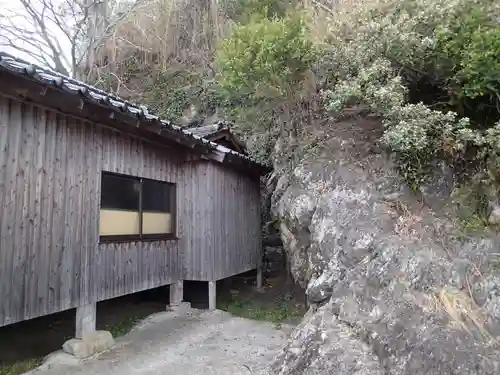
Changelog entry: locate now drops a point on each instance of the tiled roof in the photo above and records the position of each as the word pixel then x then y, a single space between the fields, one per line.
pixel 71 86
pixel 206 130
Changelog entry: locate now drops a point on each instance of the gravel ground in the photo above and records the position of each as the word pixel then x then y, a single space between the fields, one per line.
pixel 182 342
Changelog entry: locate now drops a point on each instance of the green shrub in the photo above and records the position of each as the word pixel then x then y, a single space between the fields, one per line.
pixel 266 58
pixel 418 136
pixel 173 91
pixel 376 85
pixel 245 10
pixel 467 52
pixel 430 69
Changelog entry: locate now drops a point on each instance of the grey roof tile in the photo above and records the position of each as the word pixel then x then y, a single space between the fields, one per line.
pixel 206 130
pixel 75 87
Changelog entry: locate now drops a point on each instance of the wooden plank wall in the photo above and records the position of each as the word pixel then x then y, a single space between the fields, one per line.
pixel 123 273
pixel 50 259
pixel 224 235
pixel 236 222
pixel 195 229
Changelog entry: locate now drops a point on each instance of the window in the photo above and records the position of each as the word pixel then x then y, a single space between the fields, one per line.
pixel 136 208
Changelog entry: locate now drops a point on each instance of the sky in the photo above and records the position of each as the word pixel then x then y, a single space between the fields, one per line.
pixel 16 6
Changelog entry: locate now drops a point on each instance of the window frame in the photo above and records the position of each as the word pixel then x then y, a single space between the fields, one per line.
pixel 143 237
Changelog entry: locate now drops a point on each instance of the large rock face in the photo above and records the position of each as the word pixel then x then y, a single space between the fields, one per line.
pixel 395 287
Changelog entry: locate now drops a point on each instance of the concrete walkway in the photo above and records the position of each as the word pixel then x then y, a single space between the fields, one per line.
pixel 182 342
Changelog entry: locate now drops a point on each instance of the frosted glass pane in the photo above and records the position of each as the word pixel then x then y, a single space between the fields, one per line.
pixel 118 222
pixel 156 223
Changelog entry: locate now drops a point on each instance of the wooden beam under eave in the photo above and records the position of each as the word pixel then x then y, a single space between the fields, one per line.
pixel 26 89
pixel 228 136
pixel 217 155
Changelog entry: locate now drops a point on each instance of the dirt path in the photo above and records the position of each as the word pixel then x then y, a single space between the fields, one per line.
pixel 184 342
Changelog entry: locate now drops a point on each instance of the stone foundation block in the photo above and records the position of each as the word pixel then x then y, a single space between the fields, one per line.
pixel 90 344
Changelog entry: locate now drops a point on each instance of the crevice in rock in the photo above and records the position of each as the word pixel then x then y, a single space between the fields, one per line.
pixel 364 336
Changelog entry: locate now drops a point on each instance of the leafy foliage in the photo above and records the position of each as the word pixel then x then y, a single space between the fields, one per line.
pixel 263 69
pixel 430 69
pixel 243 11
pixel 418 136
pixel 473 202
pixel 161 55
pixel 377 85
pixel 266 58
pixel 467 51
pixel 174 90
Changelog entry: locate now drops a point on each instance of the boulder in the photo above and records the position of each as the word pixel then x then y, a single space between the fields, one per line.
pixel 89 344
pixel 395 286
pixel 494 218
pixel 323 345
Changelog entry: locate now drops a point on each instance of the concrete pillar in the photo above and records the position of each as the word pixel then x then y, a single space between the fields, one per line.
pixel 176 293
pixel 212 295
pixel 85 320
pixel 259 277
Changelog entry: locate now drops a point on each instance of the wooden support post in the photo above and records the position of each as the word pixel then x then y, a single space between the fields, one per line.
pixel 260 268
pixel 85 320
pixel 212 296
pixel 259 277
pixel 176 293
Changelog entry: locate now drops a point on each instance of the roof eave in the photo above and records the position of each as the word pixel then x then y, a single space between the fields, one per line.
pixel 28 82
pixel 81 106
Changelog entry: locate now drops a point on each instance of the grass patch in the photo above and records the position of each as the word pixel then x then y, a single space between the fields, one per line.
pixel 474 224
pixel 20 367
pixel 474 210
pixel 123 327
pixel 495 265
pixel 279 312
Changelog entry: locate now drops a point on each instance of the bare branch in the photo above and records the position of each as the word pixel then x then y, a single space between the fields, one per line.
pixel 7 42
pixel 107 32
pixel 62 34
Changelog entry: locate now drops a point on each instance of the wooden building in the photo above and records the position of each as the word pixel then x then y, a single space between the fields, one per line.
pixel 221 133
pixel 99 199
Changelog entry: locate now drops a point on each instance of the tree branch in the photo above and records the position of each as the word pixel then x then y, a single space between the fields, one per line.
pixel 40 58
pixel 60 34
pixel 97 43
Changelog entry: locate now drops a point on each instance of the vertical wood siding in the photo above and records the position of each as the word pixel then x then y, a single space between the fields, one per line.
pixel 237 222
pixel 224 233
pixel 195 240
pixel 50 171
